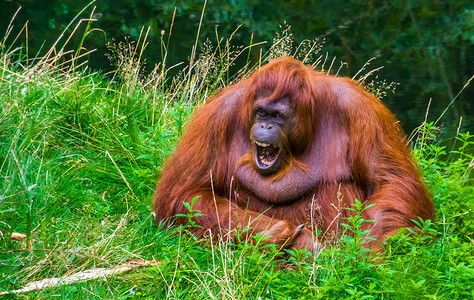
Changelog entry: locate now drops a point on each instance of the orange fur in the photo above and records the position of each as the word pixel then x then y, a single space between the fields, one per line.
pixel 343 140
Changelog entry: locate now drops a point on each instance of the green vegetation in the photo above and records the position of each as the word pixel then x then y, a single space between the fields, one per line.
pixel 80 153
pixel 424 45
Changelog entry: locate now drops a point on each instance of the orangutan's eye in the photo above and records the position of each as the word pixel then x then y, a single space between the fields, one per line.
pixel 261 113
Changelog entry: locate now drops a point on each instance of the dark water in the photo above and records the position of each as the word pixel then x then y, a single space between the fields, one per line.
pixel 429 59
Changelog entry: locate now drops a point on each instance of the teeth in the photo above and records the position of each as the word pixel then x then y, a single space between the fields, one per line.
pixel 265 152
pixel 262 144
pixel 264 160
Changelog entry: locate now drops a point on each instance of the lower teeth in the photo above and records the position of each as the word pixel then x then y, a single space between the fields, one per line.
pixel 265 161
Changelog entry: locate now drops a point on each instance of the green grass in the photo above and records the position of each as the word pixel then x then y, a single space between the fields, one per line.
pixel 80 154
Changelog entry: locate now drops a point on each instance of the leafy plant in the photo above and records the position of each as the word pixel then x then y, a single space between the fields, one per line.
pixel 192 213
pixel 355 238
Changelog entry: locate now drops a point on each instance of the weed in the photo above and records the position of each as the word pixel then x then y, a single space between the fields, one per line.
pixel 191 223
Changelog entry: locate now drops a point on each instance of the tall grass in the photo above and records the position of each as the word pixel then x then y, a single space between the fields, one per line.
pixel 80 154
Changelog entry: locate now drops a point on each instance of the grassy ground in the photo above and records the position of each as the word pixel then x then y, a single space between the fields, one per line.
pixel 80 154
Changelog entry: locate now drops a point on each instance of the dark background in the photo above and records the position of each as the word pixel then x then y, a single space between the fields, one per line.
pixel 427 46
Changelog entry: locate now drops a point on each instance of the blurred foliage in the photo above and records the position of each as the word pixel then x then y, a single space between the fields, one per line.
pixel 427 46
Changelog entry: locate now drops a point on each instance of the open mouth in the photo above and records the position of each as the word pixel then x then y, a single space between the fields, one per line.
pixel 266 154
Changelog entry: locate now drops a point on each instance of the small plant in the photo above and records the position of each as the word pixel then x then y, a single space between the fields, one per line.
pixel 192 213
pixel 424 231
pixel 355 237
